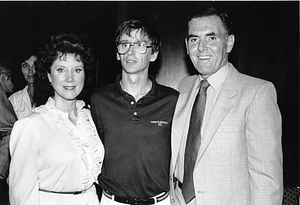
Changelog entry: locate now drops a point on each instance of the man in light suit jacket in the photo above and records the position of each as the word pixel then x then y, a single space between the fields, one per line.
pixel 239 161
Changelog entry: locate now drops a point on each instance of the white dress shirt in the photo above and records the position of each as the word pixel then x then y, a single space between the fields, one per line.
pixel 21 103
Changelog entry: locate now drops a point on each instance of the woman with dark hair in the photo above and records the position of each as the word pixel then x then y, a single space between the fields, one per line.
pixel 56 152
pixel 43 89
pixel 22 100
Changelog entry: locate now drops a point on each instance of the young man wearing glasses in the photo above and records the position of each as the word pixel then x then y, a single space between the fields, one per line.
pixel 133 117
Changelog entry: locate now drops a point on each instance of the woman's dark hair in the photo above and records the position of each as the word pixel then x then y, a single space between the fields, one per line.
pixel 22 53
pixel 60 45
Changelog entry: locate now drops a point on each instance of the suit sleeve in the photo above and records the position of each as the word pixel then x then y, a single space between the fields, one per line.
pixel 264 132
pixel 23 177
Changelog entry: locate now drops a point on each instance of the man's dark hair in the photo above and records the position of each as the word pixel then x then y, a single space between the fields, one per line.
pixel 212 12
pixel 145 28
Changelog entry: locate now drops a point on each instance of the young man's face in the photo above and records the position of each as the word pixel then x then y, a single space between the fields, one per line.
pixel 208 44
pixel 132 61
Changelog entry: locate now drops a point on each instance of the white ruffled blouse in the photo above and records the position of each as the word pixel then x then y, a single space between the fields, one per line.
pixel 50 153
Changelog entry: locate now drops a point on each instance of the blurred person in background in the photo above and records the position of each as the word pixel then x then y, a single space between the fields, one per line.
pixel 22 100
pixel 5 76
pixel 7 120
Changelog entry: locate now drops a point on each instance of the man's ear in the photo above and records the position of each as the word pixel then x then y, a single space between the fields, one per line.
pixel 2 80
pixel 154 56
pixel 186 46
pixel 118 56
pixel 230 43
pixel 3 77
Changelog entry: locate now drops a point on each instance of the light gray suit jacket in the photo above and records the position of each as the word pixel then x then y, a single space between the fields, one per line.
pixel 240 156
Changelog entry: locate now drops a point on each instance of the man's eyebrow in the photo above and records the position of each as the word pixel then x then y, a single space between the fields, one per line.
pixel 192 35
pixel 127 41
pixel 211 34
pixel 208 34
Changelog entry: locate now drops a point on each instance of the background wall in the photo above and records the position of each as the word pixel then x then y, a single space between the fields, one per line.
pixel 267 45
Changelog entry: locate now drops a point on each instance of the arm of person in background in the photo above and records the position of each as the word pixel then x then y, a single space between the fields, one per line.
pixel 7 120
pixel 263 132
pixel 23 173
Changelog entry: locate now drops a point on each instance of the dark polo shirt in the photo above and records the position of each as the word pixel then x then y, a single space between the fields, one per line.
pixel 136 138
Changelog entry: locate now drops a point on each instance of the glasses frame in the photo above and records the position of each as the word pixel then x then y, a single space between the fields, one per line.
pixel 131 44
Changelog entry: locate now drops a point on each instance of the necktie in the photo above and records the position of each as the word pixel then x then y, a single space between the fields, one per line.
pixel 193 142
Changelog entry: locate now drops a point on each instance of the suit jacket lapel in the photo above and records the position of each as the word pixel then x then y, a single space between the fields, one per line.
pixel 182 114
pixel 222 106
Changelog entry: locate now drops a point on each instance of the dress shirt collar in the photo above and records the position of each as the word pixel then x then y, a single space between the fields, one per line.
pixel 217 79
pixel 24 91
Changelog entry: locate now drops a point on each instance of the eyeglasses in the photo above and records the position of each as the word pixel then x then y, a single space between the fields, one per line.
pixel 139 47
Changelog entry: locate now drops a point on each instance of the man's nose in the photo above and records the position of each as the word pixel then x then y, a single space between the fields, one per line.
pixel 131 49
pixel 202 45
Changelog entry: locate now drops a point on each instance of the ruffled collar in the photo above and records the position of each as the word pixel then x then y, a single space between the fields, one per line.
pixel 51 105
pixel 90 140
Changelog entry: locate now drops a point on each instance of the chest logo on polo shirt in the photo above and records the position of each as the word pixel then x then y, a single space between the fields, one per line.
pixel 159 122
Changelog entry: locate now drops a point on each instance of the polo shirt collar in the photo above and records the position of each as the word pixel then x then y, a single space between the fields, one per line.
pixel 118 91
